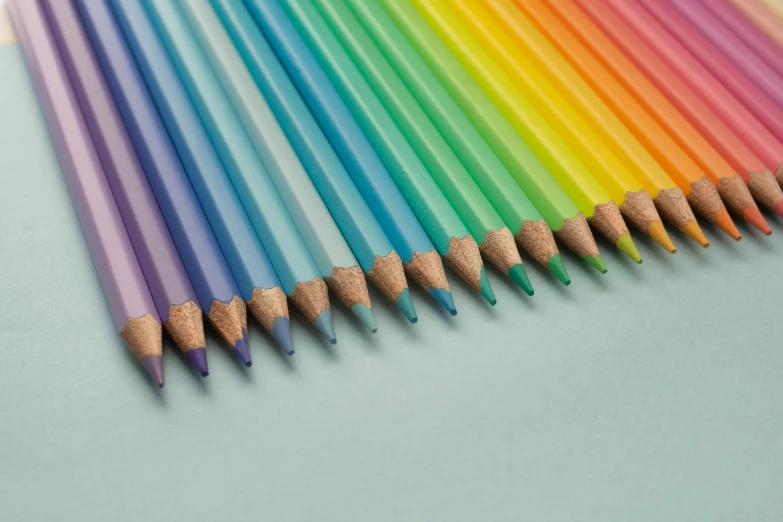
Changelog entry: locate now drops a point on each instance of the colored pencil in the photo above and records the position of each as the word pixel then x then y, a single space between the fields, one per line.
pixel 253 273
pixel 369 242
pixel 566 220
pixel 765 118
pixel 726 106
pixel 168 283
pixel 596 85
pixel 366 169
pixel 764 18
pixel 626 53
pixel 669 143
pixel 489 173
pixel 496 242
pixel 322 237
pixel 764 47
pixel 200 253
pixel 605 141
pixel 450 236
pixel 123 283
pixel 776 6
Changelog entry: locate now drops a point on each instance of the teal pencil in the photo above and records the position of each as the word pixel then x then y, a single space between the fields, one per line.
pixel 446 229
pixel 284 245
pixel 361 229
pixel 332 255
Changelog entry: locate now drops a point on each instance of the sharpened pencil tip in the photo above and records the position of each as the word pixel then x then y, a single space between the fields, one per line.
pixel 753 216
pixel 198 358
pixel 518 274
pixel 658 233
pixel 693 231
pixel 628 247
pixel 486 289
pixel 154 366
pixel 242 350
pixel 596 262
pixel 324 324
pixel 725 223
pixel 445 298
pixel 405 305
pixel 557 267
pixel 281 331
pixel 364 313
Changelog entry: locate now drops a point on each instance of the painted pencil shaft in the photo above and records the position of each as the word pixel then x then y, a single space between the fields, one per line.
pixel 533 235
pixel 482 221
pixel 123 283
pixel 322 237
pixel 668 149
pixel 365 167
pixel 443 225
pixel 652 81
pixel 763 17
pixel 204 262
pixel 172 293
pixel 363 232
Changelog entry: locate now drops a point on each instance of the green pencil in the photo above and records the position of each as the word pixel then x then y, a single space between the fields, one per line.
pixel 445 228
pixel 565 220
pixel 489 173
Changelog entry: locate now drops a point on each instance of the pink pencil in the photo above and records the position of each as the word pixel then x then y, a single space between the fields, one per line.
pixel 744 124
pixel 123 283
pixel 763 17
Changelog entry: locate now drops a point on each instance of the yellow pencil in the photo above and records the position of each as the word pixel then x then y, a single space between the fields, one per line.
pixel 615 155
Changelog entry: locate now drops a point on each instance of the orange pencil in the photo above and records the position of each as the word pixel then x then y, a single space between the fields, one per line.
pixel 625 54
pixel 695 180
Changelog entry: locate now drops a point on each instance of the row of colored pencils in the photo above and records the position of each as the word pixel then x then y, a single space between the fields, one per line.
pixel 226 155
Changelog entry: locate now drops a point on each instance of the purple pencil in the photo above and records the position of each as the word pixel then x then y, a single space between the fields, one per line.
pixel 172 292
pixel 123 283
pixel 764 47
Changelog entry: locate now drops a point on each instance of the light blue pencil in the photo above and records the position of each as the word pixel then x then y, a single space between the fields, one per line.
pixel 366 169
pixel 330 250
pixel 362 231
pixel 266 211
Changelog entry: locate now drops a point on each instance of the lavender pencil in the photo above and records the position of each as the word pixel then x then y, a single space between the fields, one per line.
pixel 172 293
pixel 121 277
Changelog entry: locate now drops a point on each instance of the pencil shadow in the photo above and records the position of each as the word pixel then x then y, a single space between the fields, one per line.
pixel 755 236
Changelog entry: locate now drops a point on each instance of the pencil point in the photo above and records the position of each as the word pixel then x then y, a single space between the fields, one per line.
pixel 281 331
pixel 364 313
pixel 725 223
pixel 324 323
pixel 445 298
pixel 464 258
pixel 405 305
pixel 658 233
pixel 198 358
pixel 753 216
pixel 596 262
pixel 556 267
pixel 485 289
pixel 242 350
pixel 693 231
pixel 518 274
pixel 626 245
pixel 154 366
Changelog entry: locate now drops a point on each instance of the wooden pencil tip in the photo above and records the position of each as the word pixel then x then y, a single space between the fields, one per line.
pixel 350 287
pixel 658 234
pixel 626 245
pixel 388 276
pixel 186 326
pixel 229 319
pixel 753 216
pixel 694 231
pixel 144 337
pixel 464 258
pixel 725 223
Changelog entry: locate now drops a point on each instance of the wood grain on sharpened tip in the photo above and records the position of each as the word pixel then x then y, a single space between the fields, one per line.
pixel 641 24
pixel 204 262
pixel 162 267
pixel 364 234
pixel 322 237
pixel 465 197
pixel 561 213
pixel 238 241
pixel 666 96
pixel 580 70
pixel 602 142
pixel 123 283
pixel 763 17
pixel 357 154
pixel 511 203
pixel 431 206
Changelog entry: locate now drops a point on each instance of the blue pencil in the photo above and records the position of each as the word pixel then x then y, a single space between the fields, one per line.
pixel 360 227
pixel 249 264
pixel 268 215
pixel 365 167
pixel 204 262
pixel 322 237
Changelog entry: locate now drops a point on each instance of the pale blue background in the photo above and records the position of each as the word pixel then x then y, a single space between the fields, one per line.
pixel 649 394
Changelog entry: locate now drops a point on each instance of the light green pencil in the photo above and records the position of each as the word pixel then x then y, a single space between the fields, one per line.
pixel 518 212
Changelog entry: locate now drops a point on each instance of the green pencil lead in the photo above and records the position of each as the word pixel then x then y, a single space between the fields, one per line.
pixel 626 245
pixel 596 262
pixel 518 274
pixel 556 267
pixel 486 288
pixel 364 313
pixel 405 305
